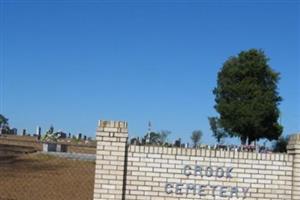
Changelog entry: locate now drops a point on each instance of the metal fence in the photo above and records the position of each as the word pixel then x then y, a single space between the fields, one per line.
pixel 28 173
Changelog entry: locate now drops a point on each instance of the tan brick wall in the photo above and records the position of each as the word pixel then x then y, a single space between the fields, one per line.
pixel 159 173
pixel 111 146
pixel 294 149
pixel 149 169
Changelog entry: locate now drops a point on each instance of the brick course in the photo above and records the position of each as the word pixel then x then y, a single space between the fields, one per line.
pixel 131 172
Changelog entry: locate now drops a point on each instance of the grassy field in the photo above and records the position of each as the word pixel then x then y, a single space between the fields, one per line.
pixel 34 143
pixel 41 177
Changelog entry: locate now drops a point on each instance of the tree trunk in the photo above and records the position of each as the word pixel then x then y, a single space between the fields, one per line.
pixel 250 140
pixel 243 140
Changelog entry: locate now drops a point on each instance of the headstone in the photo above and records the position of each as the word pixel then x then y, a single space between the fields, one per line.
pixel 24 132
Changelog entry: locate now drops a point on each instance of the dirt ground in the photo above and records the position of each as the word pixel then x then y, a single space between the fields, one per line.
pixel 41 177
pixel 33 142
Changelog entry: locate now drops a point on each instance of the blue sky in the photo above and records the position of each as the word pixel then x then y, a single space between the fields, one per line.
pixel 72 63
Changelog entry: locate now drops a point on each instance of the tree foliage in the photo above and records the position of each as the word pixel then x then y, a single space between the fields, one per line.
pixel 154 138
pixel 157 138
pixel 281 144
pixel 3 120
pixel 50 136
pixel 4 126
pixel 246 97
pixel 218 131
pixel 196 137
pixel 164 136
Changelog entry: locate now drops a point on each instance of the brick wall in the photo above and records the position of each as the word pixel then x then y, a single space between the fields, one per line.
pixel 174 173
pixel 143 172
pixel 110 163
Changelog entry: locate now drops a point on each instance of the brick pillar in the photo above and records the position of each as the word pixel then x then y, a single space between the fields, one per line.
pixel 111 139
pixel 294 149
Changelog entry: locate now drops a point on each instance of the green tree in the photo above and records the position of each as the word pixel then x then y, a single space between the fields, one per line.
pixel 281 144
pixel 246 97
pixel 218 131
pixel 157 138
pixel 164 136
pixel 3 120
pixel 196 137
pixel 154 138
pixel 4 126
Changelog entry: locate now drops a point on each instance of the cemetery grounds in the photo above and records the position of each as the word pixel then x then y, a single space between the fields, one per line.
pixel 26 174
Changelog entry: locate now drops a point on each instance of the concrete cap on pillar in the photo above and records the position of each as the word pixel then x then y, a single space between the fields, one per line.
pixel 294 143
pixel 112 124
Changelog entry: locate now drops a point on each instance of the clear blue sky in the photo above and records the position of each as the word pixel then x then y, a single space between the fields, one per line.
pixel 72 63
